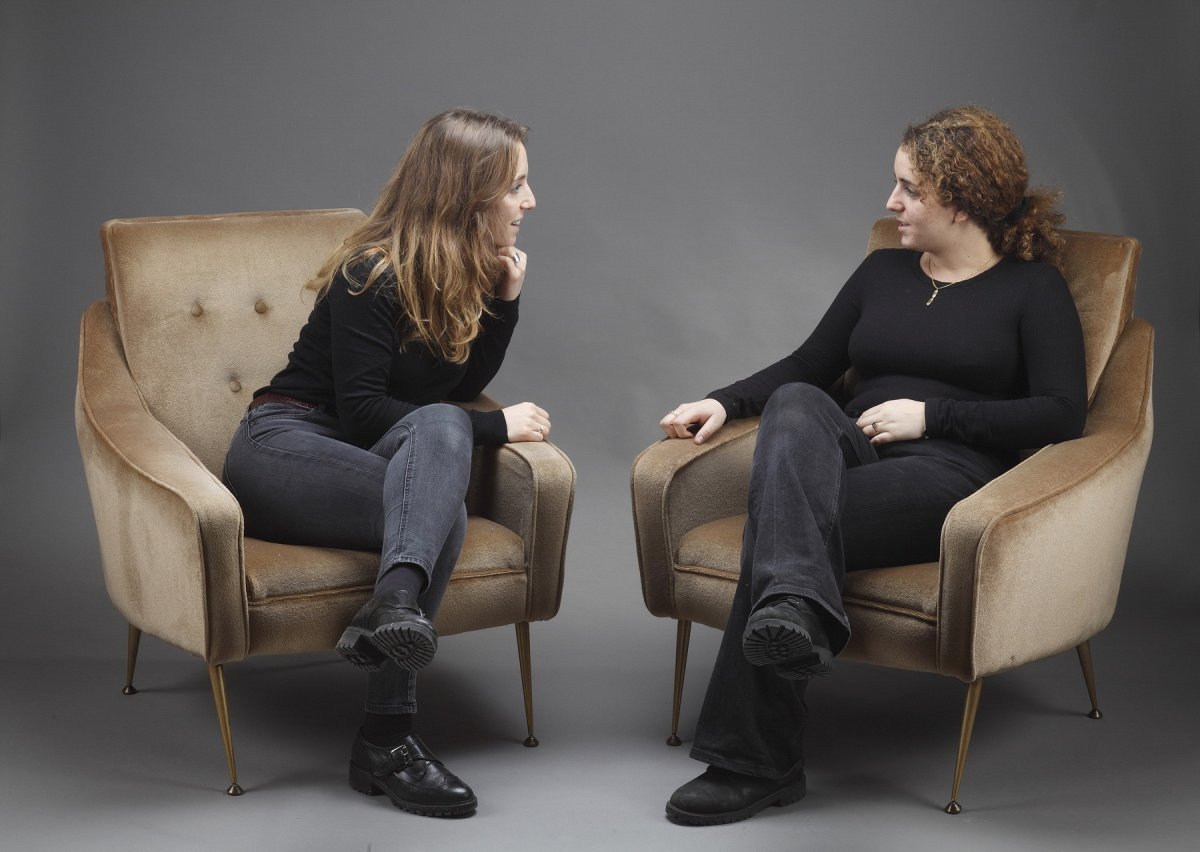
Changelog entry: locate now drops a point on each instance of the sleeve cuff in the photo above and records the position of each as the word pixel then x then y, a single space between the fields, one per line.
pixel 490 428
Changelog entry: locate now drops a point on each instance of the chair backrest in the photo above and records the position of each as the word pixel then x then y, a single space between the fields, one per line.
pixel 1101 270
pixel 208 308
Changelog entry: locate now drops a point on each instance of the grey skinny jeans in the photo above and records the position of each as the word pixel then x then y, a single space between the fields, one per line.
pixel 299 481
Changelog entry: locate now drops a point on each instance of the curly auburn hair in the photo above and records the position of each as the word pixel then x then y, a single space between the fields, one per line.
pixel 428 237
pixel 970 160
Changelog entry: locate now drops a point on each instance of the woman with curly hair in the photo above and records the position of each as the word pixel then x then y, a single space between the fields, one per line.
pixel 349 445
pixel 965 348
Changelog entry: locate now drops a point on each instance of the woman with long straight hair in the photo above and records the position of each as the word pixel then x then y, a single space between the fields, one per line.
pixel 350 445
pixel 967 349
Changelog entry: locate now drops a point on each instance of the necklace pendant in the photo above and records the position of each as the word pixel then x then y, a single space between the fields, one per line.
pixel 931 298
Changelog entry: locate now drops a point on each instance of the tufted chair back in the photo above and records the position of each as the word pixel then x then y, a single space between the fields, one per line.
pixel 201 311
pixel 208 307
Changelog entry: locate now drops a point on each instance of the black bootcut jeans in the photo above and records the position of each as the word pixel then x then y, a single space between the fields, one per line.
pixel 822 501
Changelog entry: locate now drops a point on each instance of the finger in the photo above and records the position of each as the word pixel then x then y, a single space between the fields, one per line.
pixel 513 255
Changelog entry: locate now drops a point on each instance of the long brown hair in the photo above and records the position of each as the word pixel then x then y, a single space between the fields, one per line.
pixel 972 161
pixel 429 232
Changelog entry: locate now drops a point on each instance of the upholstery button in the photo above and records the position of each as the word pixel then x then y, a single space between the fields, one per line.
pixel 197 309
pixel 260 306
pixel 235 385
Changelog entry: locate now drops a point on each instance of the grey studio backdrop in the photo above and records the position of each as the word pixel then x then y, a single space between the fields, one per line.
pixel 706 175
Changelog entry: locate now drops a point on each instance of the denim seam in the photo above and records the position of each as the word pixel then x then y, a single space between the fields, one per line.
pixel 259 446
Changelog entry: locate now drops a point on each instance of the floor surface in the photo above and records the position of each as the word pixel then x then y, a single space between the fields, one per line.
pixel 85 767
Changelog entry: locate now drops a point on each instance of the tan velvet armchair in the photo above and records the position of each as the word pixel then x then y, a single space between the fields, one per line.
pixel 1030 564
pixel 201 311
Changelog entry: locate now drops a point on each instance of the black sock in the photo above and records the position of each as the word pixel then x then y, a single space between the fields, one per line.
pixel 387 729
pixel 403 576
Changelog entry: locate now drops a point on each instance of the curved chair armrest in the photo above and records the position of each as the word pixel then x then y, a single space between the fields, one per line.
pixel 714 476
pixel 1032 562
pixel 530 489
pixel 170 532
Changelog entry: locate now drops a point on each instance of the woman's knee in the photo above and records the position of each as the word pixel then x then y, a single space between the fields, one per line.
pixel 796 403
pixel 447 426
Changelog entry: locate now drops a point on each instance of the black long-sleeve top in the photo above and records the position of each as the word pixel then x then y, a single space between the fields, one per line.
pixel 348 358
pixel 997 359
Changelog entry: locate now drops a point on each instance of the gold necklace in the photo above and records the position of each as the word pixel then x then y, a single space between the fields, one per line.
pixel 937 288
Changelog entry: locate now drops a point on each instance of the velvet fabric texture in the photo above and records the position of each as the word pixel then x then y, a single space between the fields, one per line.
pixel 200 311
pixel 1030 564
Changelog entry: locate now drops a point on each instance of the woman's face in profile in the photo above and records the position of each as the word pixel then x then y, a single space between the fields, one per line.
pixel 514 204
pixel 921 221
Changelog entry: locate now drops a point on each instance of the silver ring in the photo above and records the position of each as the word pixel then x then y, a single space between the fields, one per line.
pixel 875 426
pixel 516 257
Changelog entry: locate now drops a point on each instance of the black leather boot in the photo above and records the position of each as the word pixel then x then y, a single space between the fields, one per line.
pixel 788 633
pixel 720 796
pixel 411 776
pixel 389 626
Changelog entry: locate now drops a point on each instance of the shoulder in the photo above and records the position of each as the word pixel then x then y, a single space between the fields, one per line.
pixel 883 266
pixel 1038 288
pixel 888 262
pixel 1036 280
pixel 356 276
pixel 896 258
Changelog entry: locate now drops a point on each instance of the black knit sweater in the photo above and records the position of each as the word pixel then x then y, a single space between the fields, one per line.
pixel 997 359
pixel 348 359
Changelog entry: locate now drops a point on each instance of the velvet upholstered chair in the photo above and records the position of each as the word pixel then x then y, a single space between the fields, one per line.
pixel 200 312
pixel 1030 564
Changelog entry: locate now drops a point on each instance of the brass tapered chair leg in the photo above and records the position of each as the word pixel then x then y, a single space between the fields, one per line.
pixel 1084 650
pixel 964 740
pixel 131 650
pixel 216 676
pixel 683 635
pixel 526 679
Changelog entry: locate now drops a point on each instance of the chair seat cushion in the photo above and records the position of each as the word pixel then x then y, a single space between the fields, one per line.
pixel 714 550
pixel 285 570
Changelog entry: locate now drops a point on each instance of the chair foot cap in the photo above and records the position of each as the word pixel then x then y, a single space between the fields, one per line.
pixel 129 689
pixel 1095 714
pixel 674 740
pixel 531 742
pixel 234 790
pixel 953 808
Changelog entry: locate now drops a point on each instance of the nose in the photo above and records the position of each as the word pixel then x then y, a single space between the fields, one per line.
pixel 893 202
pixel 530 201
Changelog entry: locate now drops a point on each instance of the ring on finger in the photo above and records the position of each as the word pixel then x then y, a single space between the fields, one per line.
pixel 874 427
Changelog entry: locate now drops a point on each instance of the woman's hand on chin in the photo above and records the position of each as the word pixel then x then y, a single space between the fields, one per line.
pixel 515 262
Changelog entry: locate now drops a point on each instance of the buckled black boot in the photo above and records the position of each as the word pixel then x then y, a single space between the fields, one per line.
pixel 411 776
